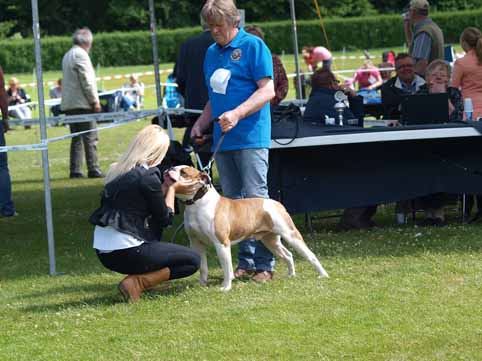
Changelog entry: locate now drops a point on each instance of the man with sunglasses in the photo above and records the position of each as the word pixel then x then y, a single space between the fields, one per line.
pixel 405 82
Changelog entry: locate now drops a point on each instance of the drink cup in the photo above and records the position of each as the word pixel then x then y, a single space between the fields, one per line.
pixel 468 109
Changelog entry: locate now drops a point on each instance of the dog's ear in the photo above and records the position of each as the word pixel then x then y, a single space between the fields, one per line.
pixel 206 178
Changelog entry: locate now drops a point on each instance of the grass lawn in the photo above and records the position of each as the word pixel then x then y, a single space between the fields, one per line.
pixel 395 293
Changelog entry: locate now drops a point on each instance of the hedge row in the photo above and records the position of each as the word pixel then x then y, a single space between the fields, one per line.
pixel 134 48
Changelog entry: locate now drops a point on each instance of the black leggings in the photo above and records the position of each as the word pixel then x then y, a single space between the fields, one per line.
pixel 148 257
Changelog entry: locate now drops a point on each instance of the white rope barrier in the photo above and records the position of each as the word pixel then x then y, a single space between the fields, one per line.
pixel 107 77
pixel 292 75
pixel 21 148
pixel 118 118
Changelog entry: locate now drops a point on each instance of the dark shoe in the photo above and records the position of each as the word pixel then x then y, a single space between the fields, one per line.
pixel 427 222
pixel 76 175
pixel 14 214
pixel 476 218
pixel 439 222
pixel 263 276
pixel 347 226
pixel 432 222
pixel 95 174
pixel 243 273
pixel 369 224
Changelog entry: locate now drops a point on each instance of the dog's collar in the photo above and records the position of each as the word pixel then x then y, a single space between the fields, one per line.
pixel 199 194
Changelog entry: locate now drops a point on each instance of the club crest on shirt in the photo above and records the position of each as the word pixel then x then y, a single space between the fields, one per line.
pixel 236 54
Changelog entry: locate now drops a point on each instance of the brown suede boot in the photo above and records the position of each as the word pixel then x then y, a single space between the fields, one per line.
pixel 132 286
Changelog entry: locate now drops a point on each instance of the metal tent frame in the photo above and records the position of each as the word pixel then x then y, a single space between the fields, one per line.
pixel 43 119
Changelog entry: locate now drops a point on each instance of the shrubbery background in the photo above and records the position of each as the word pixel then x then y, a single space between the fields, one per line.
pixel 61 17
pixel 135 48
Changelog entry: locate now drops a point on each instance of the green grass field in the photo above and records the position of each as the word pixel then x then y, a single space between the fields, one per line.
pixel 395 293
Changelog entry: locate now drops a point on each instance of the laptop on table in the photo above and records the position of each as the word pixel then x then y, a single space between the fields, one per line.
pixel 420 109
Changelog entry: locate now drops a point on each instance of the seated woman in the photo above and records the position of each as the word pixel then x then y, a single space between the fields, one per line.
pixel 322 99
pixel 132 96
pixel 368 76
pixel 437 81
pixel 135 207
pixel 437 77
pixel 16 97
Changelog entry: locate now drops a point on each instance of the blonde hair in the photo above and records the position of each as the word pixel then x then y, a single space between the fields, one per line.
pixel 473 38
pixel 13 81
pixel 434 65
pixel 149 147
pixel 220 11
pixel 367 63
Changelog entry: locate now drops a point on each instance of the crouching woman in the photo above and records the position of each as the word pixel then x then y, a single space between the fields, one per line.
pixel 135 207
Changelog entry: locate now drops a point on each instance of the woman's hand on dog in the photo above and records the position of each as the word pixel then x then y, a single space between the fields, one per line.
pixel 179 186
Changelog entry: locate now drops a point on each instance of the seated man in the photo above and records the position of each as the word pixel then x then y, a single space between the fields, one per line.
pixel 322 101
pixel 132 96
pixel 405 82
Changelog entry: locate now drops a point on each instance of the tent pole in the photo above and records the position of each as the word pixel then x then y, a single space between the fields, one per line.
pixel 43 137
pixel 296 50
pixel 164 121
pixel 155 52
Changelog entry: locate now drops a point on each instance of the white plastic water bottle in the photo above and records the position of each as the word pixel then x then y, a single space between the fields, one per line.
pixel 468 109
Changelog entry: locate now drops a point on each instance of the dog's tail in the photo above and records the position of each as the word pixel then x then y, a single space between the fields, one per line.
pixel 294 238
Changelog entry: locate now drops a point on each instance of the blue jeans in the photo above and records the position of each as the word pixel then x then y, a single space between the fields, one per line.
pixel 6 204
pixel 243 174
pixel 127 102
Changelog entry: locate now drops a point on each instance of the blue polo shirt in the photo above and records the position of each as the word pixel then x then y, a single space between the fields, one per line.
pixel 248 59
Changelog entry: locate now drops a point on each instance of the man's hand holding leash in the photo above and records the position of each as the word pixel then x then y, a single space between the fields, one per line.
pixel 228 120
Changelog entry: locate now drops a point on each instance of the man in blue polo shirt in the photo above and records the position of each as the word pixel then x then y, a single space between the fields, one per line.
pixel 239 75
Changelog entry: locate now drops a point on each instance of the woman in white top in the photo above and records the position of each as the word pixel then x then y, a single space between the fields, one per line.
pixel 135 207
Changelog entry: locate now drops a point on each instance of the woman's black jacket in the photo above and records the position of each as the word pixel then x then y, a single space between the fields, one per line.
pixel 133 203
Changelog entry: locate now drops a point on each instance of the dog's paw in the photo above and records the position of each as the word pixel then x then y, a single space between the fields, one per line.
pixel 225 288
pixel 203 283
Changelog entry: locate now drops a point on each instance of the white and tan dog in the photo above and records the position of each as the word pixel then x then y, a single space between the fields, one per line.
pixel 211 218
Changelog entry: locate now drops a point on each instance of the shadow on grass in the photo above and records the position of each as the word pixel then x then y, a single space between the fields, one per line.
pixel 104 295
